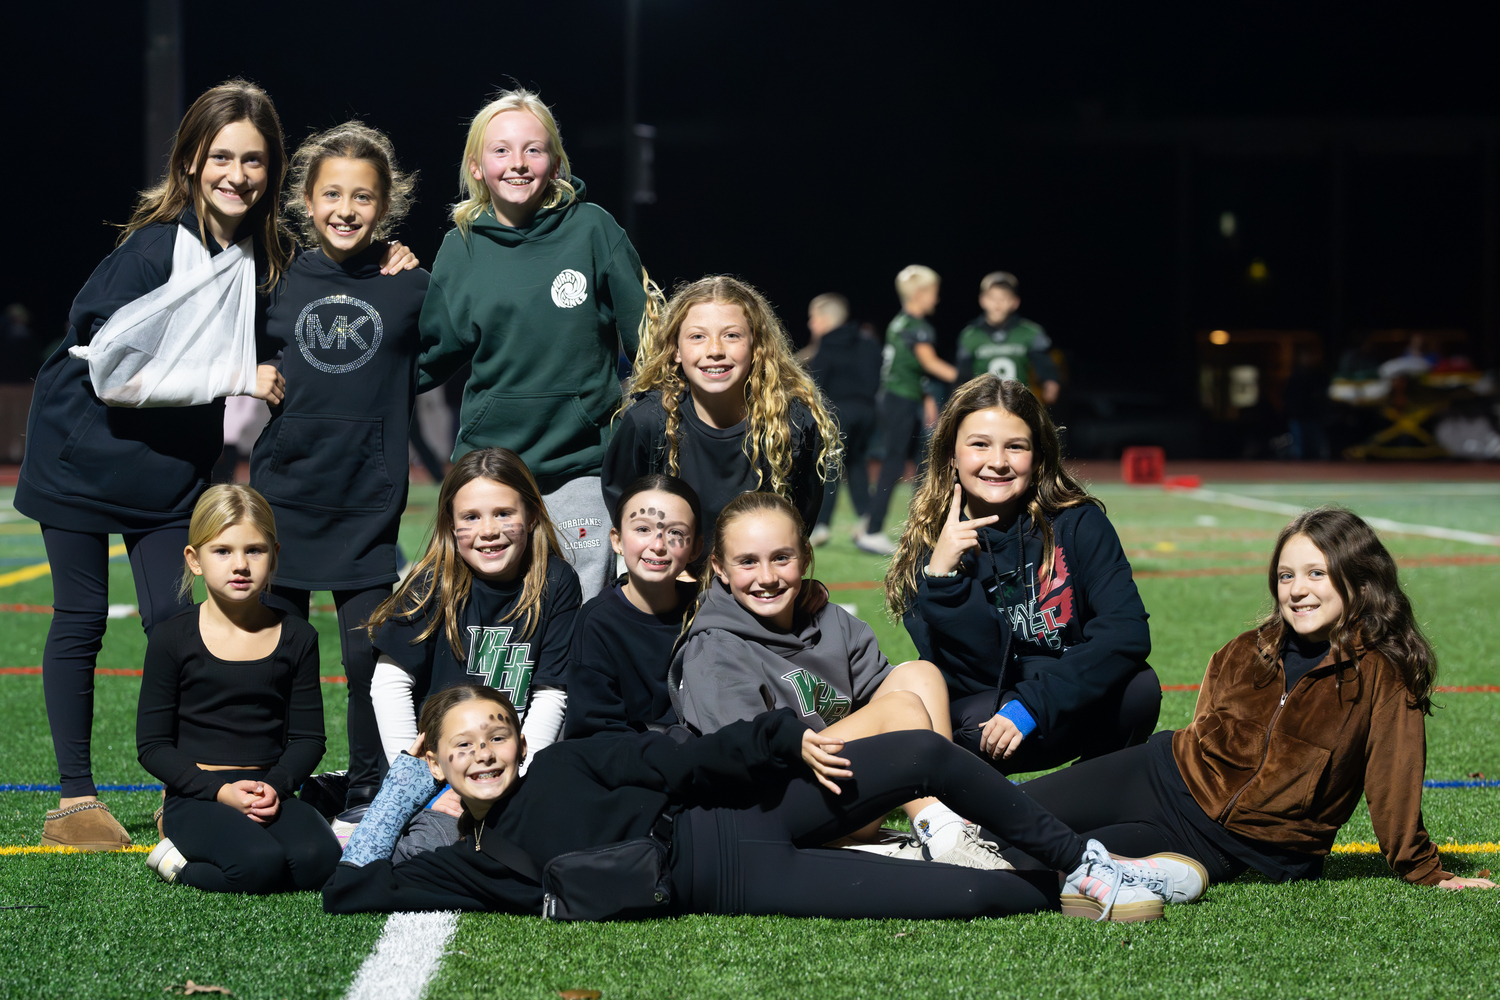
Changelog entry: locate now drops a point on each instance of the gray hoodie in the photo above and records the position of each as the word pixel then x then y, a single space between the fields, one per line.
pixel 734 665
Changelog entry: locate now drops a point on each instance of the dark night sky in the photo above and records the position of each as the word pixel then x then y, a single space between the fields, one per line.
pixel 819 146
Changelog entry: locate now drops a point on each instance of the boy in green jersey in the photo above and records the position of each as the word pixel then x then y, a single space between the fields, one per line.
pixel 1002 343
pixel 910 353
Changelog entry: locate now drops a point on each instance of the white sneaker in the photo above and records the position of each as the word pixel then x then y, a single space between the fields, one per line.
pixel 877 544
pixel 166 860
pixel 862 526
pixel 820 535
pixel 1101 888
pixel 1181 878
pixel 972 851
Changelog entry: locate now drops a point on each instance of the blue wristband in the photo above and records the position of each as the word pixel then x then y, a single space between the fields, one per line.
pixel 1016 712
pixel 439 795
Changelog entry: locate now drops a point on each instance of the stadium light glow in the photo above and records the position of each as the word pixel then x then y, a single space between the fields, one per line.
pixel 1219 337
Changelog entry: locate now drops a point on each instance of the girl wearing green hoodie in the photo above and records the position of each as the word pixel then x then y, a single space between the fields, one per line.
pixel 536 289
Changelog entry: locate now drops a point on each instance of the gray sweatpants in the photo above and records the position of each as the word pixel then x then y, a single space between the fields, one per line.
pixel 577 508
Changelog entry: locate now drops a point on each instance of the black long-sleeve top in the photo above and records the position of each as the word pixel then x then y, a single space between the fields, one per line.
pixel 579 794
pixel 711 460
pixel 618 662
pixel 198 709
pixel 1056 644
pixel 847 366
pixel 94 467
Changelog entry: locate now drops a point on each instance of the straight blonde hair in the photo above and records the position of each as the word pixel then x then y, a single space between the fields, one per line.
pixel 776 378
pixel 475 194
pixel 441 581
pixel 220 508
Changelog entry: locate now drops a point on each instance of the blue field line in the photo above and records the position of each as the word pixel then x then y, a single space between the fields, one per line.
pixel 1462 784
pixel 102 788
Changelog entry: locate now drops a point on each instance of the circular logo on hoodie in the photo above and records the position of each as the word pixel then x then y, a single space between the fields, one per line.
pixel 338 333
pixel 569 289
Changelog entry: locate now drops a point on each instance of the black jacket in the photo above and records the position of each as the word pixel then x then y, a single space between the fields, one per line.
pixel 711 460
pixel 332 461
pixel 847 366
pixel 578 794
pixel 100 468
pixel 1057 644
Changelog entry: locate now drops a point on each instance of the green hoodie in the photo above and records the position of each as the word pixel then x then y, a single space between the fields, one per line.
pixel 535 310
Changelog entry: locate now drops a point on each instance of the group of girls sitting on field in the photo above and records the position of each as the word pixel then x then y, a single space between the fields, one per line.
pixel 512 701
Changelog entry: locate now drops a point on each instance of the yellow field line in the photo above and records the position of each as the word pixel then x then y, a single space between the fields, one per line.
pixel 1487 847
pixel 42 569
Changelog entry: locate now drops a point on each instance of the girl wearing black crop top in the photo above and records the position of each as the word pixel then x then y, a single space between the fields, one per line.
pixel 231 717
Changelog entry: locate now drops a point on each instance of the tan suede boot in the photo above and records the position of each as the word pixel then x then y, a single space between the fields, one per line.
pixel 87 826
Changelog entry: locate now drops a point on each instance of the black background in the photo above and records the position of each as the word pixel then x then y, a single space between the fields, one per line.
pixel 818 146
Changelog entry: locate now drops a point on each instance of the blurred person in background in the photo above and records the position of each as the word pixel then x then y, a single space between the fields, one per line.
pixel 1003 343
pixel 845 361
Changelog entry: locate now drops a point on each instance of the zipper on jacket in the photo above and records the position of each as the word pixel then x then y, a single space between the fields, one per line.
pixel 1265 753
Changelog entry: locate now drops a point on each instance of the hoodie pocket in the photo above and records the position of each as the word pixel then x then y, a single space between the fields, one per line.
pixel 329 463
pixel 538 426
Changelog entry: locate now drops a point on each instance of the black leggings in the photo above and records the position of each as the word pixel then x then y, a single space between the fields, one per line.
pixel 367 763
pixel 767 860
pixel 80 610
pixel 856 427
pixel 1115 800
pixel 228 851
pixel 1123 717
pixel 900 422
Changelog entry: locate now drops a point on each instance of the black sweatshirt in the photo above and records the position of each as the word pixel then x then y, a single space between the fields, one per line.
pixel 578 794
pixel 491 658
pixel 1057 645
pixel 94 467
pixel 618 662
pixel 198 709
pixel 847 366
pixel 332 462
pixel 709 459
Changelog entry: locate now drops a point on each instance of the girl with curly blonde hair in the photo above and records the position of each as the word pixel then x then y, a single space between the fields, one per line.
pixel 720 400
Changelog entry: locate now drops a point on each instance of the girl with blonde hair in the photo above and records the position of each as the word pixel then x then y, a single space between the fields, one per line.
pixel 231 715
pixel 1010 578
pixel 720 400
pixel 537 289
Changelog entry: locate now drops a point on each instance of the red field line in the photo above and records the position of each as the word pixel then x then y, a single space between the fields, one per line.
pixel 28 609
pixel 1441 688
pixel 118 672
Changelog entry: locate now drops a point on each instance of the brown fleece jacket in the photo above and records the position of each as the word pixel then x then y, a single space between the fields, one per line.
pixel 1290 770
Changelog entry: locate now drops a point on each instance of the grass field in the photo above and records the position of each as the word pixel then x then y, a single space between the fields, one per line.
pixel 104 926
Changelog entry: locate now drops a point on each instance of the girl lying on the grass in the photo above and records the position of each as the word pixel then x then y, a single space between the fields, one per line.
pixel 231 715
pixel 742 812
pixel 1296 718
pixel 764 637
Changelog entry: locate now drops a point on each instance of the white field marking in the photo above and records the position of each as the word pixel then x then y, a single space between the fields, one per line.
pixel 405 958
pixel 853 609
pixel 1378 523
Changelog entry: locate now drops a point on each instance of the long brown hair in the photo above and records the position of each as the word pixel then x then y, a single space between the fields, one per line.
pixel 353 140
pixel 776 378
pixel 440 581
pixel 1377 614
pixel 231 101
pixel 1053 488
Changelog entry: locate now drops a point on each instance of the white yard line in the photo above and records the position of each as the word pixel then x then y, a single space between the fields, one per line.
pixel 1378 523
pixel 405 958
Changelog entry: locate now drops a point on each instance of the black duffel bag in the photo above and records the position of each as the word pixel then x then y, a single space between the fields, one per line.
pixel 627 880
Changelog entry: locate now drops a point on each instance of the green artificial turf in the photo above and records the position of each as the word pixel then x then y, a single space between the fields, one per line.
pixel 111 929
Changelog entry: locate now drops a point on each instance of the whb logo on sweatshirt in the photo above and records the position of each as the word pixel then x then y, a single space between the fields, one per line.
pixel 817 696
pixel 501 664
pixel 338 333
pixel 1041 614
pixel 569 289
